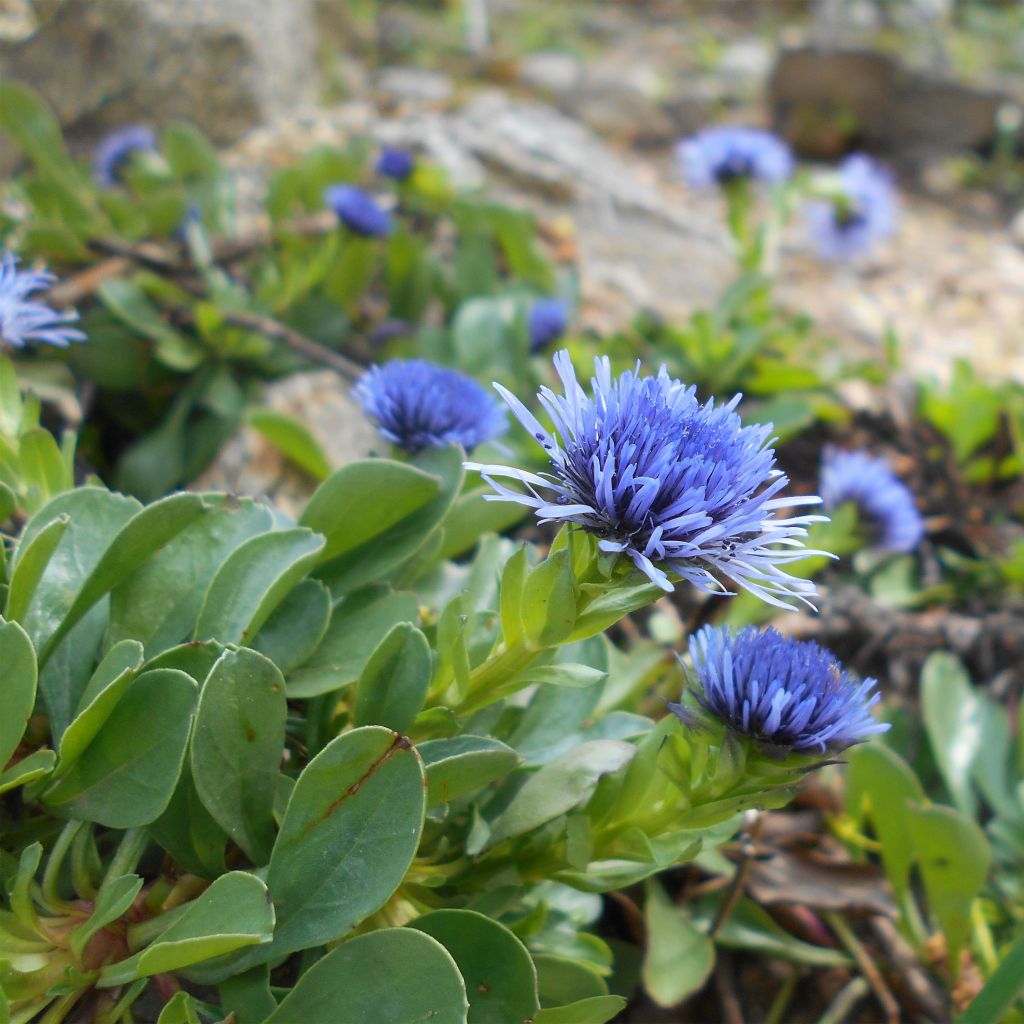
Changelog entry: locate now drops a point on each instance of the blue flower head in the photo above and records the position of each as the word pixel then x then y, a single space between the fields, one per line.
pixel 395 163
pixel 21 319
pixel 547 321
pixel 418 405
pixel 862 212
pixel 884 503
pixel 784 693
pixel 358 211
pixel 720 155
pixel 676 485
pixel 115 151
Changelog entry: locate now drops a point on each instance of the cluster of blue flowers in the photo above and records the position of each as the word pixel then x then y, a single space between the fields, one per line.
pixel 860 214
pixel 397 164
pixel 23 319
pixel 358 211
pixel 547 321
pixel 114 153
pixel 727 153
pixel 417 405
pixel 676 485
pixel 783 693
pixel 884 503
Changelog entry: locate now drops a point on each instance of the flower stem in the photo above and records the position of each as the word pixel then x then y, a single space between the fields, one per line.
pixel 496 677
pixel 51 875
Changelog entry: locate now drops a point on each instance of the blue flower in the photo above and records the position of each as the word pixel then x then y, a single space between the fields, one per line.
pixel 395 163
pixel 22 320
pixel 860 213
pixel 883 501
pixel 786 694
pixel 114 152
pixel 547 321
pixel 417 405
pixel 676 485
pixel 720 155
pixel 358 211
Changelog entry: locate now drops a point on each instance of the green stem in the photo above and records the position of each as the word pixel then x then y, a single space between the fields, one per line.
pixel 81 875
pixel 51 876
pixel 121 1007
pixel 493 679
pixel 133 845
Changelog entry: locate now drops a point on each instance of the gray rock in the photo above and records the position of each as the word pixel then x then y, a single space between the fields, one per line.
pixel 224 65
pixel 553 72
pixel 413 85
pixel 745 66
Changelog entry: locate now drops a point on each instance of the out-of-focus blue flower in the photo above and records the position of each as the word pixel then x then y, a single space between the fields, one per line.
pixel 358 211
pixel 786 694
pixel 417 405
pixel 114 152
pixel 676 485
pixel 395 163
pixel 884 502
pixel 547 321
pixel 862 212
pixel 21 319
pixel 720 155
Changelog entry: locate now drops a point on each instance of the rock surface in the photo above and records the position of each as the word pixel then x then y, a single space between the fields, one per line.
pixel 225 65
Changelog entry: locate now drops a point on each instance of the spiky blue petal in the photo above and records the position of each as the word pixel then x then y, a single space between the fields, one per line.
pixel 863 212
pixel 23 320
pixel 114 152
pixel 358 211
pixel 418 405
pixel 781 692
pixel 718 155
pixel 395 163
pixel 676 485
pixel 547 321
pixel 884 502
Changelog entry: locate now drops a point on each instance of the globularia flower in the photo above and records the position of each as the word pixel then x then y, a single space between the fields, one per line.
pixel 781 692
pixel 395 163
pixel 358 211
pixel 676 485
pixel 547 321
pixel 884 503
pixel 114 152
pixel 719 155
pixel 23 320
pixel 418 405
pixel 861 213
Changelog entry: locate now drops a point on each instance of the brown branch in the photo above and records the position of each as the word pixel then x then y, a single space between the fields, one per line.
pixel 87 282
pixel 867 966
pixel 748 849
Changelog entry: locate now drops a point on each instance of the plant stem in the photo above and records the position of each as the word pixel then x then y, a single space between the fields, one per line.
pixel 739 880
pixel 51 875
pixel 490 681
pixel 132 846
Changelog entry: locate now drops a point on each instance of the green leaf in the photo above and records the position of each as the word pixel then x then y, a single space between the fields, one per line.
pixel 472 517
pixel 294 631
pixel 252 582
pixel 32 767
pixel 31 564
pixel 96 515
pixel 606 609
pixel 18 658
pixel 679 955
pixel 881 779
pixel 386 976
pixel 180 1009
pixel 293 439
pixel 463 764
pixel 1000 990
pixel 549 600
pixel 953 857
pixel 499 975
pixel 513 580
pixel 393 685
pixel 237 744
pixel 953 720
pixel 232 913
pixel 143 535
pixel 159 603
pixel 564 674
pixel 363 500
pixel 478 332
pixel 560 786
pixel 31 124
pixel 247 996
pixel 108 685
pixel 561 980
pixel 115 897
pixel 357 627
pixel 42 467
pixel 187 831
pixel 594 1010
pixel 126 776
pixel 348 836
